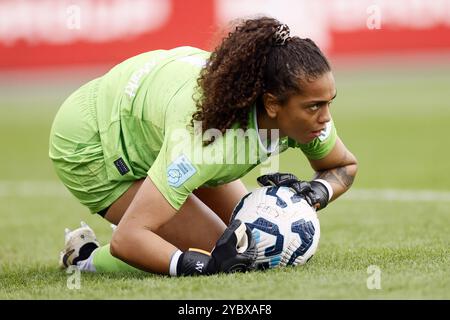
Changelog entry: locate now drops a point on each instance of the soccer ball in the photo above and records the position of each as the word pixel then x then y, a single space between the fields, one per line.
pixel 285 227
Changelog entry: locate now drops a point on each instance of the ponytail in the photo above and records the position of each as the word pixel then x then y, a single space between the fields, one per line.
pixel 252 60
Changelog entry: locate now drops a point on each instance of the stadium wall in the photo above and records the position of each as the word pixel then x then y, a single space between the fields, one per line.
pixel 55 33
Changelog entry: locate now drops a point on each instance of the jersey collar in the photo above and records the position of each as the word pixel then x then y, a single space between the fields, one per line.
pixel 262 144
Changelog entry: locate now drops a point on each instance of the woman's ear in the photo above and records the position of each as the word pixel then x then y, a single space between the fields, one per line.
pixel 271 105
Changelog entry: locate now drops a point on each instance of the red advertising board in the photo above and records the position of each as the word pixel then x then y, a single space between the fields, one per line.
pixel 61 33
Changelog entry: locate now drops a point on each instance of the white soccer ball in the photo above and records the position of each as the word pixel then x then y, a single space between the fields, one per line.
pixel 285 227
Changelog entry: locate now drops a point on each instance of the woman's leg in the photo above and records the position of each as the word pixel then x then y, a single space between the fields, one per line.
pixel 118 208
pixel 195 225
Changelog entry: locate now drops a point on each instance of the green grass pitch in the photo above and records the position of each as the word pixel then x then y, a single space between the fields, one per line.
pixel 396 217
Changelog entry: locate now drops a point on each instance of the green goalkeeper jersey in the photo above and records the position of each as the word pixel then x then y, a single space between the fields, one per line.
pixel 144 110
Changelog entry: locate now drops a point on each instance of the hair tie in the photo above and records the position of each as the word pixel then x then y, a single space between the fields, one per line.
pixel 281 35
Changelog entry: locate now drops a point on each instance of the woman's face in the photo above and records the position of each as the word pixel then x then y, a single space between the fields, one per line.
pixel 305 115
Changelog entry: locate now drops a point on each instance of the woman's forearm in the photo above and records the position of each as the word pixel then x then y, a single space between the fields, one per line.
pixel 340 178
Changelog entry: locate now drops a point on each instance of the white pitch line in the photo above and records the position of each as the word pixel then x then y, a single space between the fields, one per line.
pixel 26 189
pixel 397 195
pixel 32 189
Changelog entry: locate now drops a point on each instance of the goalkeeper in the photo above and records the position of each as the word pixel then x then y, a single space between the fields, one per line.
pixel 125 145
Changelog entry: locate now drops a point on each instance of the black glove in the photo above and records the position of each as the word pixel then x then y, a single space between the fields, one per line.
pixel 314 192
pixel 235 251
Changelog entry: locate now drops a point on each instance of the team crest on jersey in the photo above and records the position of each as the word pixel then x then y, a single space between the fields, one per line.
pixel 325 133
pixel 179 171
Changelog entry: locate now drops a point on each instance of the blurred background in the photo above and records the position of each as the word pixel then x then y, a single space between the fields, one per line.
pixel 391 61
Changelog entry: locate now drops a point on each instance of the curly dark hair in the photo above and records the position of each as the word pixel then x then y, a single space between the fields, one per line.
pixel 249 63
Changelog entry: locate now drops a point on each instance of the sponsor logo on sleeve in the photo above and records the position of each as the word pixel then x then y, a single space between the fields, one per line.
pixel 180 170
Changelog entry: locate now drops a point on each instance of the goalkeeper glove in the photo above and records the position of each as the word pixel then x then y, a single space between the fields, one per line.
pixel 317 192
pixel 235 251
